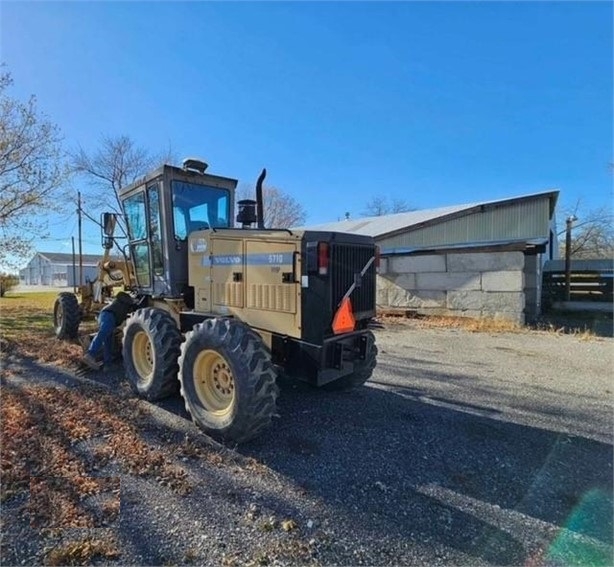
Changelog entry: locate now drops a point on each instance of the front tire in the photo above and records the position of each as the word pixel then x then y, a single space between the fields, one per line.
pixel 227 379
pixel 150 349
pixel 363 369
pixel 66 316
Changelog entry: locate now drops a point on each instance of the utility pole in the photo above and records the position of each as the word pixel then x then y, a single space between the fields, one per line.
pixel 80 243
pixel 568 224
pixel 74 266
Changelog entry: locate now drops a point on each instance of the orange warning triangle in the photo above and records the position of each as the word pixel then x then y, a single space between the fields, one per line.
pixel 344 321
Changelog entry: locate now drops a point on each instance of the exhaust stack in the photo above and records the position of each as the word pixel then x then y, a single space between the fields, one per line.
pixel 259 199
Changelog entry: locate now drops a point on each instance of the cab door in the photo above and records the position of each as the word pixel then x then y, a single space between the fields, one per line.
pixel 136 220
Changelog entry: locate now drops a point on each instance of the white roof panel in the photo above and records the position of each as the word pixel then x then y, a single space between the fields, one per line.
pixel 385 224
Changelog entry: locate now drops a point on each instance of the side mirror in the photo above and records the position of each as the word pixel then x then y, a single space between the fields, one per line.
pixel 108 223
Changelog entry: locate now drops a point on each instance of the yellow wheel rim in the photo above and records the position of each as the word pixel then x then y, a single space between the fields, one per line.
pixel 214 382
pixel 142 355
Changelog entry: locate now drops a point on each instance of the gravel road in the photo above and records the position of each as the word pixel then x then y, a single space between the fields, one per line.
pixel 463 449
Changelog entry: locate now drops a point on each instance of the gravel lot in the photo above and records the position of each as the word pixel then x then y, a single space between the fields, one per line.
pixel 464 449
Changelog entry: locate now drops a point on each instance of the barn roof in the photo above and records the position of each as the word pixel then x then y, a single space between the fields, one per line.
pixel 67 258
pixel 385 225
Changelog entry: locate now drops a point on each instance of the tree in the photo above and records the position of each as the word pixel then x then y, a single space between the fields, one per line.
pixel 592 235
pixel 280 209
pixel 32 174
pixel 7 282
pixel 117 162
pixel 380 205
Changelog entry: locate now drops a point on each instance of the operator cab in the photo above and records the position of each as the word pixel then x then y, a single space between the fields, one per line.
pixel 161 210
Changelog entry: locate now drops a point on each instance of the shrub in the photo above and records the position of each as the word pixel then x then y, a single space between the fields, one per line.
pixel 7 282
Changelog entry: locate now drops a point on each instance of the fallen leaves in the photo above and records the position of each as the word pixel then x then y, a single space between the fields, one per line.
pixel 57 502
pixel 82 552
pixel 56 441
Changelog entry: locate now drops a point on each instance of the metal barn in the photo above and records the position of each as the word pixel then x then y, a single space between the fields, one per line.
pixel 58 270
pixel 475 260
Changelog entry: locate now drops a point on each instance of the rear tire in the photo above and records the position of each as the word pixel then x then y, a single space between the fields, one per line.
pixel 363 369
pixel 66 316
pixel 150 349
pixel 227 379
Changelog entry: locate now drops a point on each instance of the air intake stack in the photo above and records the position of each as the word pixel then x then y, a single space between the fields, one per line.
pixel 247 213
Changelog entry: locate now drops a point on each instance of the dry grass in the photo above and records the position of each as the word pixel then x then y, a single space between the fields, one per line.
pixel 484 325
pixel 26 324
pixel 82 552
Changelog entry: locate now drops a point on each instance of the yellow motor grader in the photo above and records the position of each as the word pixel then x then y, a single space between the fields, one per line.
pixel 224 310
pixel 114 273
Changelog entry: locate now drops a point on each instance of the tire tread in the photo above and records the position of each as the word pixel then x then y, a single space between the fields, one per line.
pixel 71 315
pixel 252 368
pixel 166 340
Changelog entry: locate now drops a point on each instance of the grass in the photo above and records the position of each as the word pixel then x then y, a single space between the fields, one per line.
pixel 82 552
pixel 483 325
pixel 22 315
pixel 26 329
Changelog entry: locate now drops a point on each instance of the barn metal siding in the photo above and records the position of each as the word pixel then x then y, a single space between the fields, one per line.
pixel 523 220
pixel 40 270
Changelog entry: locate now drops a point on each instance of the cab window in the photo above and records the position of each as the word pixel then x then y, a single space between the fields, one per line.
pixel 136 218
pixel 197 207
pixel 153 196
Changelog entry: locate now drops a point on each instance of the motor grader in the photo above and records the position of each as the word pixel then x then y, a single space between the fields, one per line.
pixel 114 272
pixel 223 311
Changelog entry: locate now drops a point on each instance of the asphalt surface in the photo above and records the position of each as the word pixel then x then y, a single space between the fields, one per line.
pixel 463 449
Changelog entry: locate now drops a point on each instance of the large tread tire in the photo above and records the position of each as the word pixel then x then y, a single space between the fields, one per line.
pixel 229 350
pixel 66 316
pixel 150 349
pixel 362 372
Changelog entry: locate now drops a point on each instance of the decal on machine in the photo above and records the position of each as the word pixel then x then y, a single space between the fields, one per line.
pixel 270 259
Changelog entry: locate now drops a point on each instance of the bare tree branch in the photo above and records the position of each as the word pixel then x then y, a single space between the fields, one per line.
pixel 117 162
pixel 380 205
pixel 280 209
pixel 32 174
pixel 592 232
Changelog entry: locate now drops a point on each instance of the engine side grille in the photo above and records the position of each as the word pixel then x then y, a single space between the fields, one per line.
pixel 272 297
pixel 346 263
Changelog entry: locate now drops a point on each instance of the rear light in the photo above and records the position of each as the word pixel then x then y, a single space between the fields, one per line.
pixel 377 259
pixel 323 258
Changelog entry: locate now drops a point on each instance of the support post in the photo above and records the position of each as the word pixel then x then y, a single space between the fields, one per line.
pixel 74 267
pixel 568 225
pixel 80 242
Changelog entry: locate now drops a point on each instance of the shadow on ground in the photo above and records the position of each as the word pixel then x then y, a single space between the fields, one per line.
pixel 405 467
pixel 397 469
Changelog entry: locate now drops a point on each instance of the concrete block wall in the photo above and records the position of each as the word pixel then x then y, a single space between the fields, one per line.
pixel 533 274
pixel 470 284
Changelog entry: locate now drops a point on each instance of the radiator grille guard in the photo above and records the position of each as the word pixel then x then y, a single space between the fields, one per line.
pixel 347 262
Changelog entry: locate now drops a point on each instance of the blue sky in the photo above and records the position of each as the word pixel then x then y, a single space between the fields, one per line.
pixel 435 103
